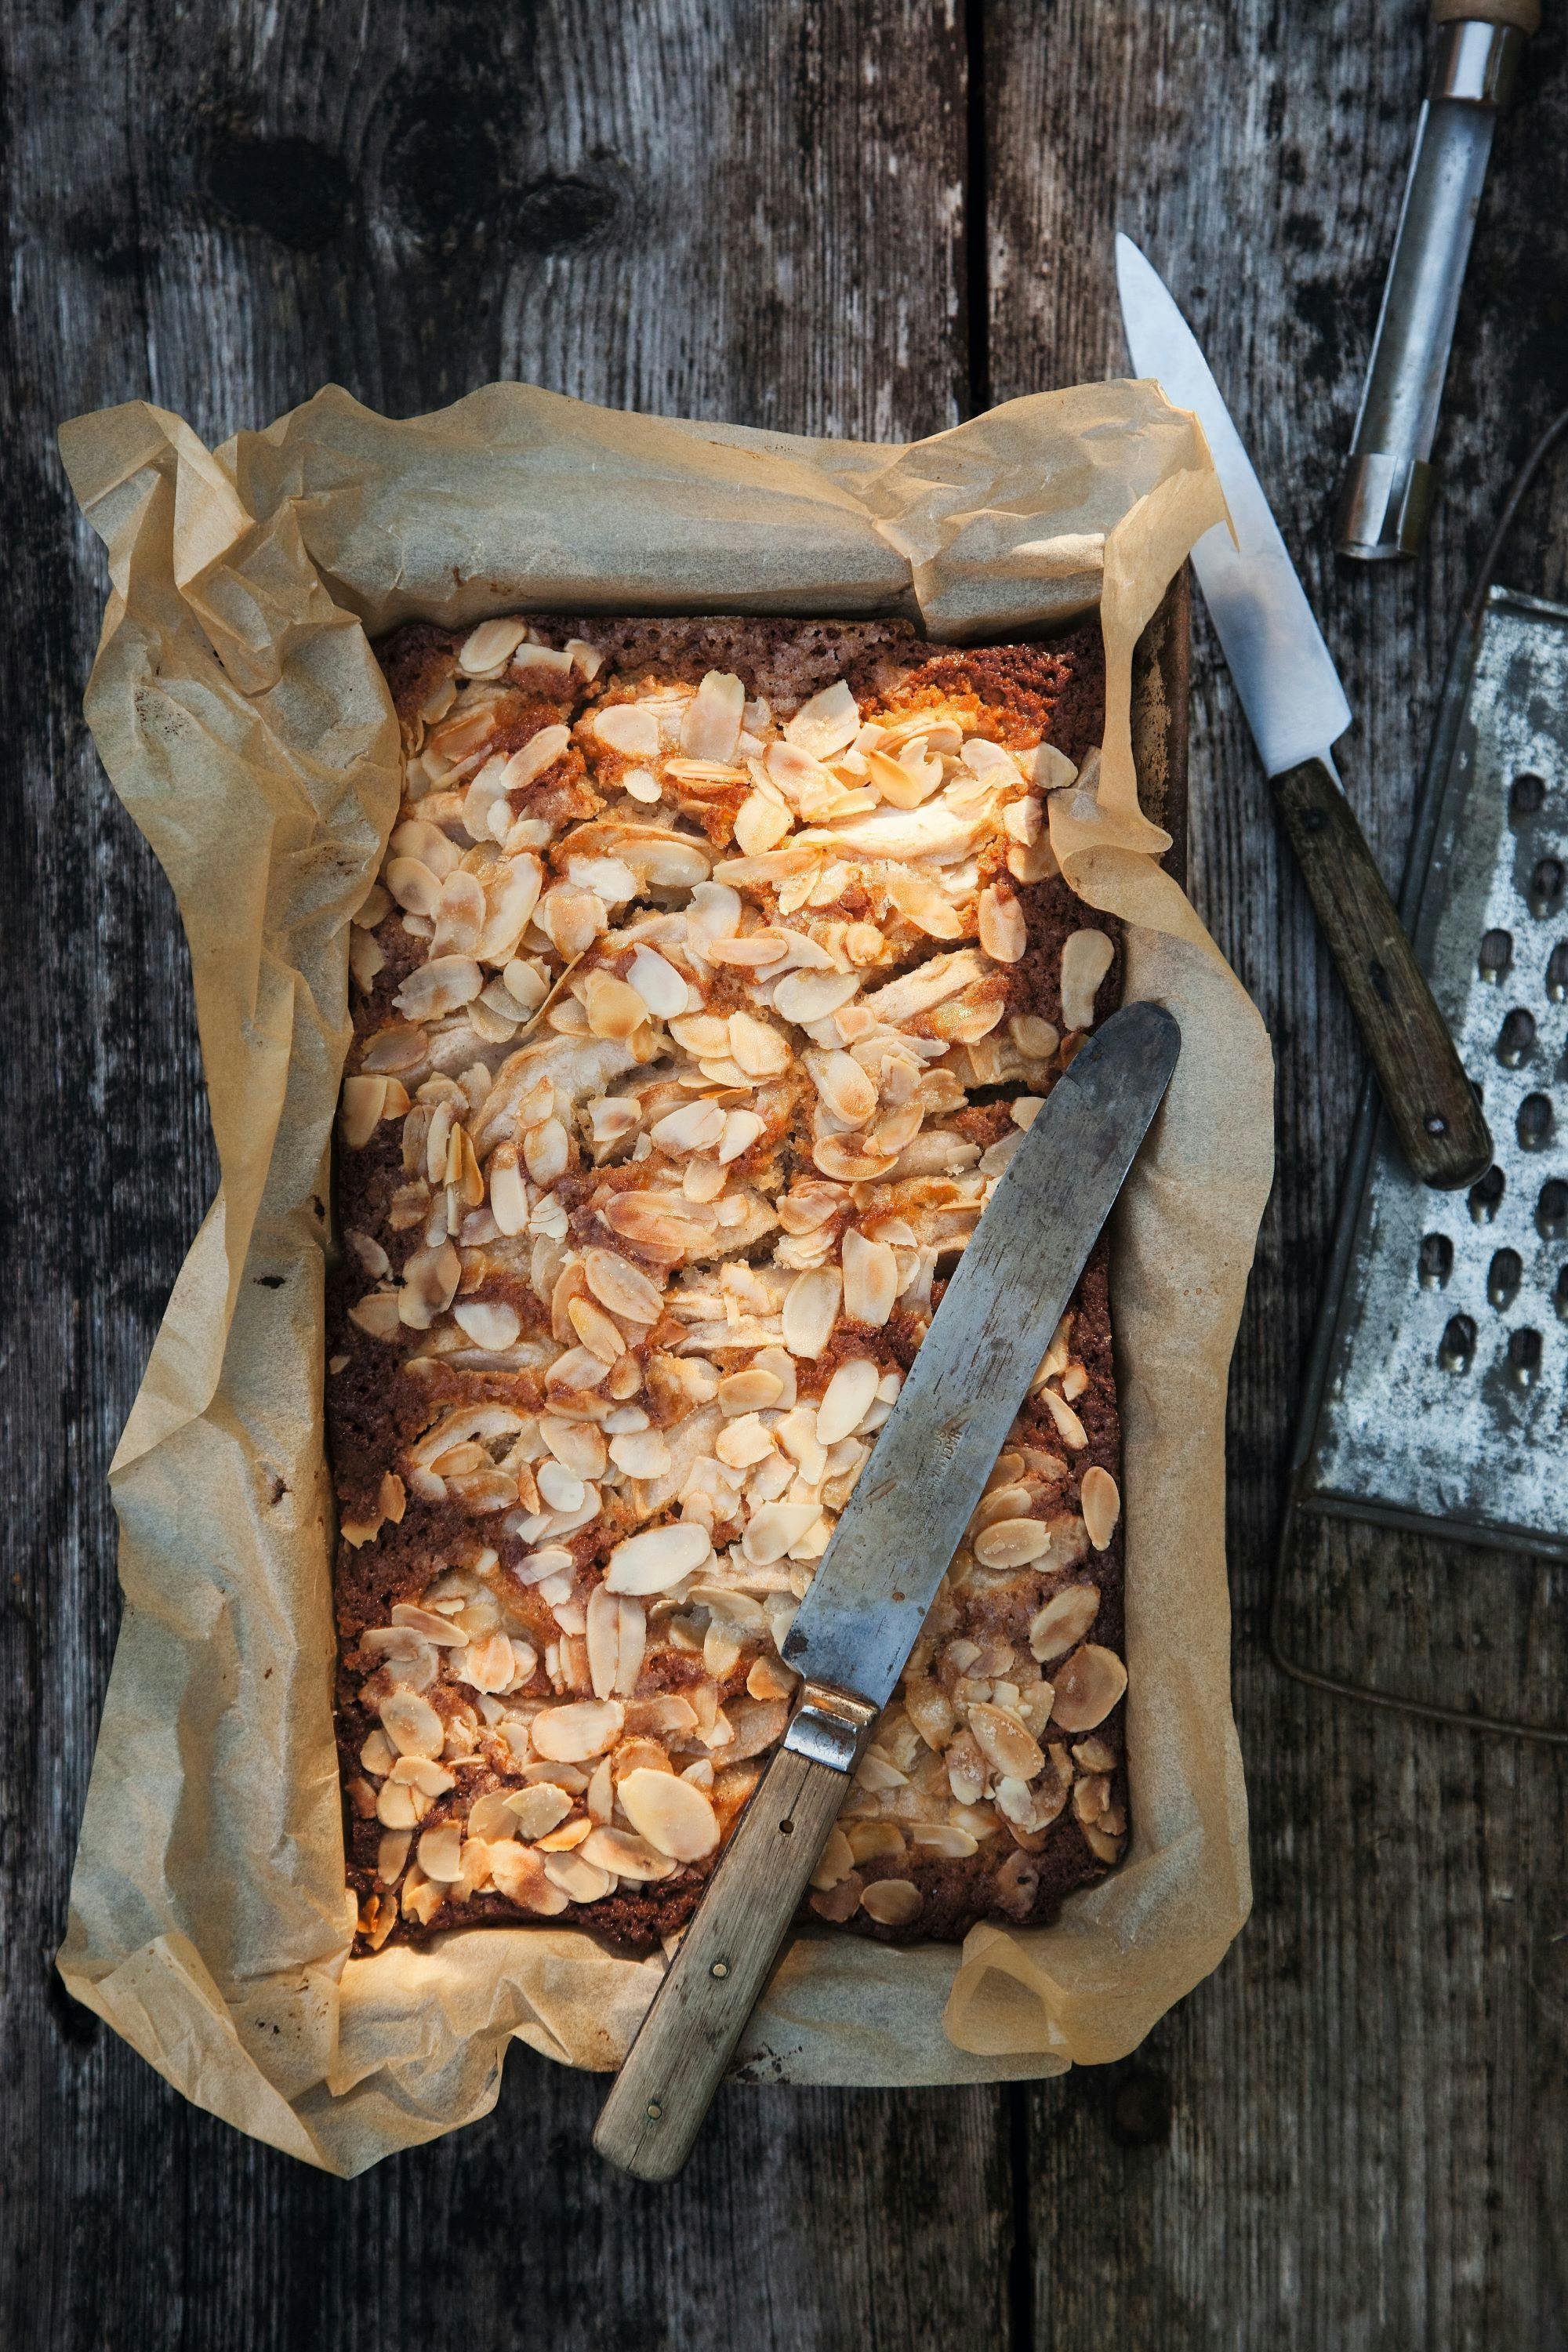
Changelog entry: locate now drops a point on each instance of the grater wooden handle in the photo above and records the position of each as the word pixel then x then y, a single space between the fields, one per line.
pixel 1436 1111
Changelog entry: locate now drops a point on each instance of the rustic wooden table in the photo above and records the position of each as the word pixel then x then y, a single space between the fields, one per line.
pixel 868 219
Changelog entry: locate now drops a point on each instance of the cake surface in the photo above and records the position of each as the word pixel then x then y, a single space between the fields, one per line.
pixel 714 971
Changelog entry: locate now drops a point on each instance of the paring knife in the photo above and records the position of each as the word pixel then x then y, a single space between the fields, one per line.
pixel 1297 710
pixel 880 1575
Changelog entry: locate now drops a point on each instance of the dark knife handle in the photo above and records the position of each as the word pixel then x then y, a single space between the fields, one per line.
pixel 676 2061
pixel 1436 1111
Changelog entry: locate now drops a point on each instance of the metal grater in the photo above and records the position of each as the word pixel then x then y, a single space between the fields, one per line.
pixel 1455 1294
pixel 1436 1398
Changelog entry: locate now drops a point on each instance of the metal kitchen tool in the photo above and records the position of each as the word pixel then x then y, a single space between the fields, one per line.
pixel 1296 709
pixel 1436 1397
pixel 1388 482
pixel 879 1574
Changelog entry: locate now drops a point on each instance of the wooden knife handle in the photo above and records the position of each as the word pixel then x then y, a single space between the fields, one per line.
pixel 1436 1111
pixel 656 2106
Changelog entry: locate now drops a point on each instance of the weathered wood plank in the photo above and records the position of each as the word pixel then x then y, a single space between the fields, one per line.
pixel 749 213
pixel 1348 2136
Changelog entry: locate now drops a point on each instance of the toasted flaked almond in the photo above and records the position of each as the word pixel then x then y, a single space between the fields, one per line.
pixel 534 1812
pixel 1100 1499
pixel 626 1856
pixel 596 1331
pixel 944 1838
pixel 378 1755
pixel 511 897
pixel 658 1558
pixel 579 1881
pixel 519 1875
pixel 1001 1502
pixel 437 987
pixel 628 727
pixel 360 1110
pixel 441 1851
pixel 390 1854
pixel 711 725
pixel 761 822
pixel 412 1724
pixel 826 725
pixel 491 1817
pixel 460 917
pixel 490 1323
pixel 621 1286
pixel 569 1835
pixel 870 1840
pixel 870 1279
pixel 656 983
pixel 758 1050
pixel 753 1391
pixel 603 1637
pixel 769 1678
pixel 1070 1430
pixel 844 1086
pixel 1005 1743
pixel 1087 1686
pixel 775 1529
pixel 1010 1543
pixel 397 1806
pixel 742 1129
pixel 1036 1039
pixel 1029 1806
pixel 584 1727
pixel 540 752
pixel 849 1394
pixel 640 1454
pixel 1086 959
pixel 675 1817
pixel 614 1009
pixel 835 1862
pixel 509 1199
pixel 560 1488
pixel 488 1665
pixel 694 1127
pixel 415 889
pixel 1004 933
pixel 810 1310
pixel 490 645
pixel 891 1902
pixel 805 996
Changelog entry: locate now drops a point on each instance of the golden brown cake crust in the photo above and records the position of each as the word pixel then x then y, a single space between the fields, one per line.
pixel 459 1564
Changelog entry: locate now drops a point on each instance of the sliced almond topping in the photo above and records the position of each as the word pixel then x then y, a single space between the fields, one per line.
pixel 657 983
pixel 360 1108
pixel 540 752
pixel 891 1902
pixel 441 1851
pixel 437 987
pixel 674 1816
pixel 489 646
pixel 519 1875
pixel 416 890
pixel 1086 959
pixel 412 1724
pixel 1011 1543
pixel 827 724
pixel 628 727
pixel 758 1050
pixel 1004 1742
pixel 810 1310
pixel 944 1838
pixel 460 917
pixel 711 728
pixel 624 1855
pixel 1004 933
pixel 490 1324
pixel 614 1009
pixel 534 1812
pixel 621 1286
pixel 776 1529
pixel 870 1279
pixel 1100 1499
pixel 1070 1430
pixel 749 1391
pixel 584 1727
pixel 1087 1686
pixel 491 1817
pixel 849 1394
pixel 844 1087
pixel 579 1881
pixel 658 1558
pixel 641 1454
pixel 742 1129
pixel 390 1854
pixel 835 1863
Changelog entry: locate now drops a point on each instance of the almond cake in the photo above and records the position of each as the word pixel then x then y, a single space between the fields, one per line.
pixel 714 971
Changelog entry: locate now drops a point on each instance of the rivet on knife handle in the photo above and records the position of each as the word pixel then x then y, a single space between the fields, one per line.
pixel 675 2065
pixel 1434 1109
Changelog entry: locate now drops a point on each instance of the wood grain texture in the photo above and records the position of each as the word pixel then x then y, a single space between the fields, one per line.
pixel 1350 2137
pixel 1430 1101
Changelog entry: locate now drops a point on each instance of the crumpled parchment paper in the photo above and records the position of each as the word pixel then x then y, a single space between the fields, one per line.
pixel 243 721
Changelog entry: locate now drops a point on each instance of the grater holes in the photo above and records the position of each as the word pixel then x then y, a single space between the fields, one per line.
pixel 1524 1358
pixel 1486 1197
pixel 1436 1262
pixel 1496 956
pixel 1545 893
pixel 1536 1123
pixel 1458 1344
pixel 1526 798
pixel 1551 1210
pixel 1503 1277
pixel 1516 1038
pixel 1557 972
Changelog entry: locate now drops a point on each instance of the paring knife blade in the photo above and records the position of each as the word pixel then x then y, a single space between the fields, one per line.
pixel 1296 709
pixel 870 1596
pixel 1284 672
pixel 879 1574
